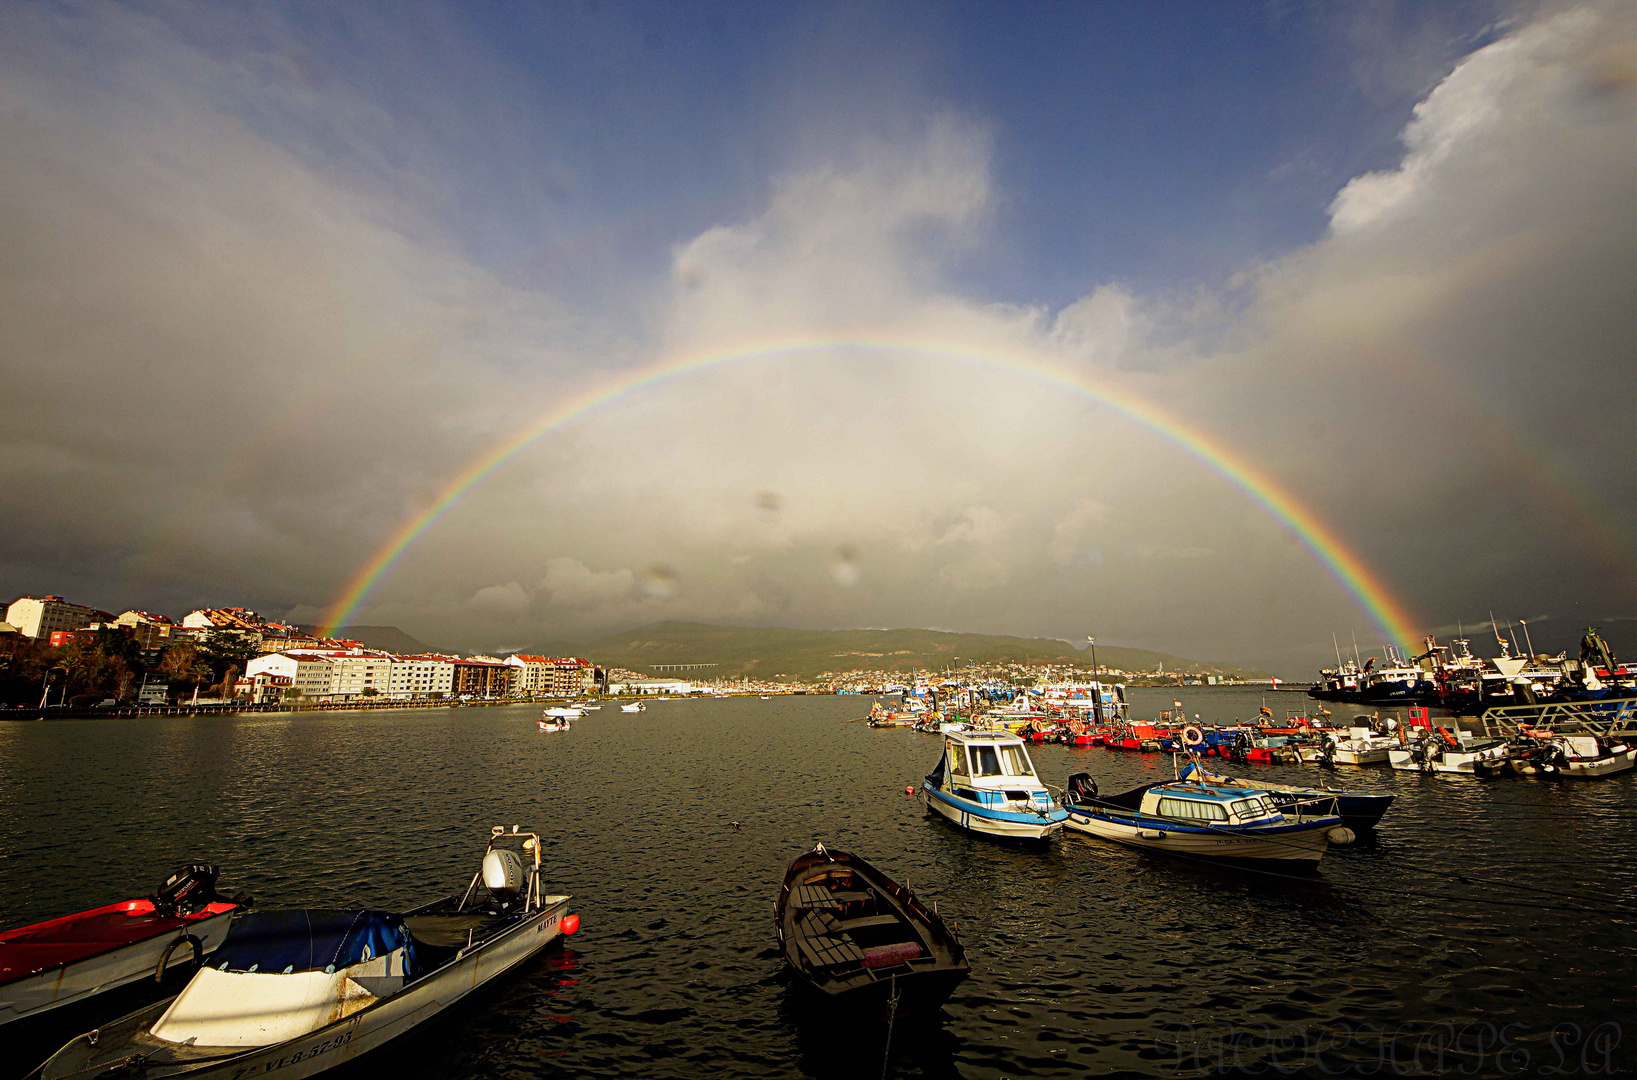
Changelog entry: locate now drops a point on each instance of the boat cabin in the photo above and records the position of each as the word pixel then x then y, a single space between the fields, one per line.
pixel 991 768
pixel 1207 805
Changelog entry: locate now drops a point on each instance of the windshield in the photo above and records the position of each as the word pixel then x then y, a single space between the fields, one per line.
pixel 1252 808
pixel 1015 761
pixel 1003 760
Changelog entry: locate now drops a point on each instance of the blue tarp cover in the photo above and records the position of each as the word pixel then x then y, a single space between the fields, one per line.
pixel 311 940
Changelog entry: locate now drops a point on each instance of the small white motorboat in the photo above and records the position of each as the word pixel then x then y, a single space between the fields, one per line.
pixel 635 706
pixel 985 782
pixel 1587 757
pixel 1204 819
pixel 1442 752
pixel 299 992
pixel 75 957
pixel 1360 746
pixel 559 719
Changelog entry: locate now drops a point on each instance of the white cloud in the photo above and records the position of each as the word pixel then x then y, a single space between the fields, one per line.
pixel 501 601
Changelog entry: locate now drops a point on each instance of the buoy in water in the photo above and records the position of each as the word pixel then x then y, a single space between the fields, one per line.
pixel 570 923
pixel 909 789
pixel 1341 834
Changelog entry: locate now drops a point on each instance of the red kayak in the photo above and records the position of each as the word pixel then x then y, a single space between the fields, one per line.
pixel 74 957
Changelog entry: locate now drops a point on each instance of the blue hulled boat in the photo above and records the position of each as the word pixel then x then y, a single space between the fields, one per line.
pixel 985 782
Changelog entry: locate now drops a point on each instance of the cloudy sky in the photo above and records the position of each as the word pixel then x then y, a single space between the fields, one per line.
pixel 271 276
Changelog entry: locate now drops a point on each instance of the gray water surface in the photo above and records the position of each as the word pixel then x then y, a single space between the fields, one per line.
pixel 1452 922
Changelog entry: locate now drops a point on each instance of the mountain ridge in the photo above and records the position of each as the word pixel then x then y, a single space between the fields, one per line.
pixel 772 652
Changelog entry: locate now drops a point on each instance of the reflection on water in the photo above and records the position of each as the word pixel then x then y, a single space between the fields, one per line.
pixel 1086 957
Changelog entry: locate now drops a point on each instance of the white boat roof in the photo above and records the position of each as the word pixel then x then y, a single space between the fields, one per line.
pixel 984 737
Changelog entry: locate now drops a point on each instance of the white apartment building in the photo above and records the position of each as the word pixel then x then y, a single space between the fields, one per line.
pixel 355 671
pixel 311 675
pixel 37 617
pixel 534 675
pixel 413 677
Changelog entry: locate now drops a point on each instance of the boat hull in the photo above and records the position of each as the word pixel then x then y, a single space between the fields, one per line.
pixel 1598 767
pixel 66 984
pixel 1296 845
pixel 978 819
pixel 1451 763
pixel 345 1040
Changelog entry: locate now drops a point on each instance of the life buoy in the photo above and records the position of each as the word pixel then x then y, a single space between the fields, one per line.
pixel 1192 736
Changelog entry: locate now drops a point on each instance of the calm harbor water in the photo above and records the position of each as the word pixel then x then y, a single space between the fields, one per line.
pixel 1497 914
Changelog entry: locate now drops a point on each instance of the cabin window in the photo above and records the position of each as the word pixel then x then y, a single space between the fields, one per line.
pixel 1192 808
pixel 1014 761
pixel 1252 808
pixel 985 762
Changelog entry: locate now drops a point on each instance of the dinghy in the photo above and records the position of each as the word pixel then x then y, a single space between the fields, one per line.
pixel 75 957
pixel 862 940
pixel 299 992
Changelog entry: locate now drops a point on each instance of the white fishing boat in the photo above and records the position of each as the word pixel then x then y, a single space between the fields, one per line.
pixel 1442 752
pixel 1360 746
pixel 985 782
pixel 299 992
pixel 74 957
pixel 1587 757
pixel 1203 819
pixel 633 706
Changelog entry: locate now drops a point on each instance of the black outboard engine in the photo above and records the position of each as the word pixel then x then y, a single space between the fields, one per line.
pixel 186 891
pixel 1081 788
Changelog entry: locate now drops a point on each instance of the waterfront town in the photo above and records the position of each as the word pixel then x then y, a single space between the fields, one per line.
pixel 64 655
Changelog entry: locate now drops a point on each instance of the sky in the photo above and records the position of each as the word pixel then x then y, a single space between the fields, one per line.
pixel 273 277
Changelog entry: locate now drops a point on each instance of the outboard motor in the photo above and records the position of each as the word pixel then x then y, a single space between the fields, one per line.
pixel 186 891
pixel 1081 788
pixel 504 875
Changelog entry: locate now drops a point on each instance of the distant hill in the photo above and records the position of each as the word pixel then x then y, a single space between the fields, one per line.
pixel 385 638
pixel 769 652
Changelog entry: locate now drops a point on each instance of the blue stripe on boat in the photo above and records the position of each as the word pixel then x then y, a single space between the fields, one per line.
pixel 980 810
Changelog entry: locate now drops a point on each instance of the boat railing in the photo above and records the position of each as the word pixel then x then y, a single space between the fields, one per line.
pixel 1603 716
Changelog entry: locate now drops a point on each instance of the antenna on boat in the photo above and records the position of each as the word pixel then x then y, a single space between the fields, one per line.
pixel 1526 639
pixel 1337 644
pixel 1357 660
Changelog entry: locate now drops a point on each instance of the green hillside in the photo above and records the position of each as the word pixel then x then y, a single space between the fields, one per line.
pixel 770 652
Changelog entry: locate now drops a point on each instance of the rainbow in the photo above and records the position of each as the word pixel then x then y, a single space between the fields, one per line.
pixel 1390 615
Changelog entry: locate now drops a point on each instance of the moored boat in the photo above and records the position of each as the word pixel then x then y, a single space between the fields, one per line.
pixel 862 940
pixel 1201 819
pixel 985 782
pixel 1357 809
pixel 75 957
pixel 299 992
pixel 1442 752
pixel 634 706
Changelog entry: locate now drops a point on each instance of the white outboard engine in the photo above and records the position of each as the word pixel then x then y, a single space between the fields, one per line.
pixel 503 874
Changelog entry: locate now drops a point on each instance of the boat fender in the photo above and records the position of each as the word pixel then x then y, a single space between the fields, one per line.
pixel 570 923
pixel 1341 835
pixel 909 789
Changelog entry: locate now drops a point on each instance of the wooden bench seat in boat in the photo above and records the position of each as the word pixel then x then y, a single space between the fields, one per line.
pixel 860 922
pixel 815 896
pixel 829 951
